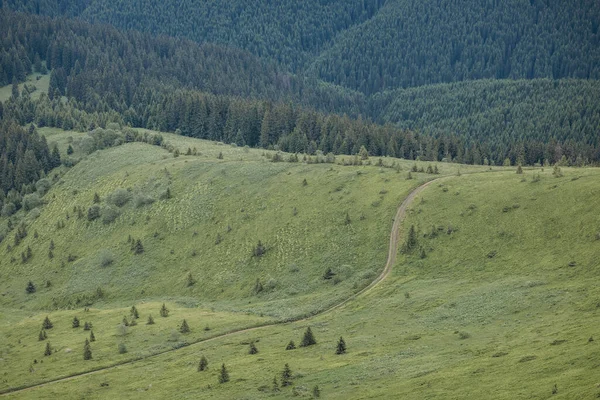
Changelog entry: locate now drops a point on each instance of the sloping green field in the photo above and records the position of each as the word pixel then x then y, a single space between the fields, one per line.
pixel 495 300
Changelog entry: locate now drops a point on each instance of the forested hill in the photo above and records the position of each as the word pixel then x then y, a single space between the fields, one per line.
pixel 373 45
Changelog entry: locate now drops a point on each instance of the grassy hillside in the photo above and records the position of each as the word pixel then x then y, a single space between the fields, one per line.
pixel 503 307
pixel 221 203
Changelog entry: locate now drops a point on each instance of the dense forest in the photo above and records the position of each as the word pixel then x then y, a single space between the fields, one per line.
pixel 99 74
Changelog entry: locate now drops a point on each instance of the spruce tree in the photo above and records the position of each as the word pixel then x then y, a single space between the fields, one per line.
pixel 75 322
pixel 125 322
pixel 224 375
pixel 253 349
pixel 347 220
pixel 291 345
pixel 203 365
pixel 96 198
pixel 92 336
pixel 190 280
pixel 519 169
pixel 47 324
pixel 87 326
pixel 341 346
pixel 51 244
pixel 275 384
pixel 134 312
pixel 150 320
pixel 48 351
pixel 164 311
pixel 87 350
pixel 184 328
pixel 42 336
pixel 308 339
pixel 30 288
pixel 286 376
pixel 138 248
pixel 70 150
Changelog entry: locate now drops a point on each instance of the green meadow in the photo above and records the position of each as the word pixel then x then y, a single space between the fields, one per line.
pixel 494 299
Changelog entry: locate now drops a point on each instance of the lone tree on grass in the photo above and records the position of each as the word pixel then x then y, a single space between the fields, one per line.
pixel 224 375
pixel 190 280
pixel 75 322
pixel 184 328
pixel 30 288
pixel 138 248
pixel 42 336
pixel 259 250
pixel 253 349
pixel 134 312
pixel 47 324
pixel 341 346
pixel 308 339
pixel 286 376
pixel 150 320
pixel 87 350
pixel 48 351
pixel 164 311
pixel 92 337
pixel 291 345
pixel 203 365
pixel 519 169
pixel 87 326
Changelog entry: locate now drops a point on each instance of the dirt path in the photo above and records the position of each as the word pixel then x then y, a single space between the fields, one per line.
pixel 391 259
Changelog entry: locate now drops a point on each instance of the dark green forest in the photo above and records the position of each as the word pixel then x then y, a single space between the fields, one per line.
pixel 463 81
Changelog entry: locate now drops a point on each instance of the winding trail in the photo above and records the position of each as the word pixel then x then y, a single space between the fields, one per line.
pixel 391 259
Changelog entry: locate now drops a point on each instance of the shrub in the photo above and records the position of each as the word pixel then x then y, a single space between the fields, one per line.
pixel 93 212
pixel 42 186
pixel 122 348
pixel 259 250
pixel 141 200
pixel 150 320
pixel 291 345
pixel 105 258
pixel 190 280
pixel 42 336
pixel 119 197
pixel 31 201
pixel 109 214
pixel 253 349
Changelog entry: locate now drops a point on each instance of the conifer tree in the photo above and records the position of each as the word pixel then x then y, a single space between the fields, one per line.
pixel 253 349
pixel 150 320
pixel 164 311
pixel 341 346
pixel 48 350
pixel 134 312
pixel 51 244
pixel 286 376
pixel 519 170
pixel 96 198
pixel 316 392
pixel 87 326
pixel 308 339
pixel 92 336
pixel 47 324
pixel 138 248
pixel 30 288
pixel 347 220
pixel 275 384
pixel 224 375
pixel 75 322
pixel 43 335
pixel 125 322
pixel 203 365
pixel 184 328
pixel 291 345
pixel 190 280
pixel 87 350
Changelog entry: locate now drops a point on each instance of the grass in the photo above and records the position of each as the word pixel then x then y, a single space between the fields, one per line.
pixel 501 307
pixel 41 83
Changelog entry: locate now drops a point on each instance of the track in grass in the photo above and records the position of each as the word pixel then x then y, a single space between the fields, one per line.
pixel 391 259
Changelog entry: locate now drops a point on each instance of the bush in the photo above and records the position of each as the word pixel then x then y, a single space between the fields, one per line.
pixel 109 214
pixel 119 197
pixel 31 201
pixel 141 200
pixel 105 258
pixel 122 348
pixel 9 209
pixel 93 212
pixel 30 288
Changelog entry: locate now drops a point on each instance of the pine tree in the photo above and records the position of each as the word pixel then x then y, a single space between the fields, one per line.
pixel 42 336
pixel 308 339
pixel 286 376
pixel 30 288
pixel 47 324
pixel 51 245
pixel 150 320
pixel 125 322
pixel 253 349
pixel 341 346
pixel 75 322
pixel 203 365
pixel 92 337
pixel 96 198
pixel 134 312
pixel 347 220
pixel 411 240
pixel 70 150
pixel 87 326
pixel 224 375
pixel 184 328
pixel 48 351
pixel 190 280
pixel 164 311
pixel 291 345
pixel 138 248
pixel 275 384
pixel 87 350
